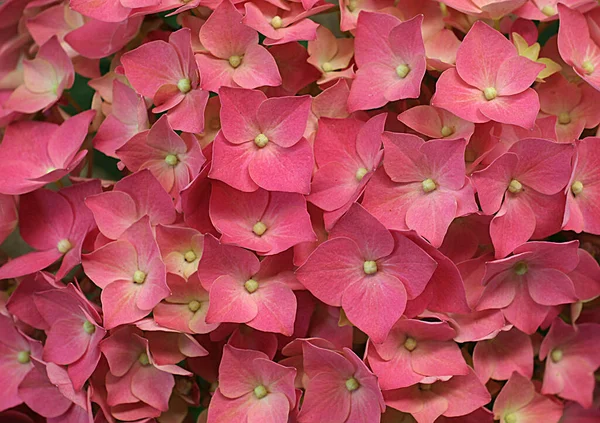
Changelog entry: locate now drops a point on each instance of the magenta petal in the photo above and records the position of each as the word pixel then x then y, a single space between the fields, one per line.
pixel 230 302
pixel 513 225
pixel 188 115
pixel 276 309
pixel 143 384
pixel 518 109
pixel 67 341
pixel 441 208
pixel 29 263
pixel 551 287
pixel 456 96
pixel 283 119
pixel 238 113
pixel 231 162
pixel 323 390
pixel 258 69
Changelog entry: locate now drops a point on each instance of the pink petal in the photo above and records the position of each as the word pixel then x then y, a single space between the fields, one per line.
pixel 258 69
pixel 519 109
pixel 283 119
pixel 238 113
pixel 276 309
pixel 230 302
pixel 551 287
pixel 455 95
pixel 231 162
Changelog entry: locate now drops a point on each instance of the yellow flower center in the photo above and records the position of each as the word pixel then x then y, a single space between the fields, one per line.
pixel 428 185
pixel 548 10
pixel 190 256
pixel 171 160
pixel 260 392
pixel 410 344
pixel 235 61
pixel 521 268
pixel 447 131
pixel 144 359
pixel 370 267
pixel 64 245
pixel 261 140
pixel 576 187
pixel 490 93
pixel 276 22
pixel 184 85
pixel 139 277
pixel 89 327
pixel 23 357
pixel 360 173
pixel 251 285
pixel 587 66
pixel 515 186
pixel 259 228
pixel 556 355
pixel 352 384
pixel 402 71
pixel 327 67
pixel 510 418
pixel 194 306
pixel 564 118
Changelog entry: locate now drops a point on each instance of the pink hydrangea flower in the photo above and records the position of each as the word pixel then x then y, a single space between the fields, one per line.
pixel 347 152
pixel 581 212
pixel 44 79
pixel 75 332
pixel 390 56
pixel 458 396
pixel 436 123
pixel 233 58
pixel 174 160
pixel 56 225
pixel 132 198
pixel 419 179
pixel 37 153
pixel 368 268
pixel 577 47
pixel 167 73
pixel 339 378
pixel 571 360
pixel 245 290
pixel 526 284
pixel 251 386
pixel 519 402
pixel 185 309
pixel 331 55
pixel 416 351
pixel 180 248
pixel 131 274
pixel 266 222
pixel 16 351
pixel 261 143
pixel 128 117
pixel 491 81
pixel 523 188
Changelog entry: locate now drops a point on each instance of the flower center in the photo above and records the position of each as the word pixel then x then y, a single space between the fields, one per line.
pixel 410 344
pixel 194 306
pixel 556 355
pixel 260 392
pixel 360 173
pixel 510 418
pixel 64 245
pixel 89 327
pixel 587 66
pixel 261 140
pixel 251 285
pixel 190 256
pixel 184 85
pixel 402 71
pixel 352 384
pixel 370 267
pixel 521 268
pixel 515 186
pixel 235 61
pixel 548 10
pixel 564 118
pixel 144 359
pixel 139 277
pixel 576 187
pixel 327 67
pixel 490 93
pixel 171 160
pixel 259 228
pixel 447 131
pixel 352 5
pixel 428 185
pixel 23 357
pixel 276 22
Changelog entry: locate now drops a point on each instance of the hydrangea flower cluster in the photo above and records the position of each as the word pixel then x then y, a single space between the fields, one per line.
pixel 299 211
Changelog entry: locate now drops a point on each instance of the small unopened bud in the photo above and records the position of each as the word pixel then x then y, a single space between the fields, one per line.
pixel 556 355
pixel 402 71
pixel 190 256
pixel 171 160
pixel 515 186
pixel 260 392
pixel 139 277
pixel 521 268
pixel 510 418
pixel 548 10
pixel 564 118
pixel 410 343
pixel 144 359
pixel 327 67
pixel 184 85
pixel 251 285
pixel 352 384
pixel 194 306
pixel 276 22
pixel 23 357
pixel 370 267
pixel 89 327
pixel 259 228
pixel 490 93
pixel 588 67
pixel 261 140
pixel 428 185
pixel 235 61
pixel 63 246
pixel 576 187
pixel 360 173
pixel 447 131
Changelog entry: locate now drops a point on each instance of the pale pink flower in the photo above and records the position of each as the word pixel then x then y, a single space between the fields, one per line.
pixel 331 55
pixel 436 123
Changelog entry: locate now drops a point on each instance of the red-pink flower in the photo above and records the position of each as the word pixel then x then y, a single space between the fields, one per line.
pixel 44 79
pixel 265 222
pixel 458 396
pixel 246 290
pixel 528 283
pixel 75 332
pixel 577 47
pixel 339 378
pixel 261 143
pixel 581 212
pixel 252 387
pixel 416 351
pixel 491 81
pixel 436 123
pixel 423 187
pixel 233 57
pixel 132 198
pixel 55 224
pixel 523 188
pixel 185 309
pixel 128 117
pixel 347 152
pixel 519 402
pixel 370 272
pixel 167 73
pixel 174 160
pixel 16 351
pixel 37 153
pixel 571 354
pixel 390 56
pixel 331 55
pixel 131 274
pixel 180 248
